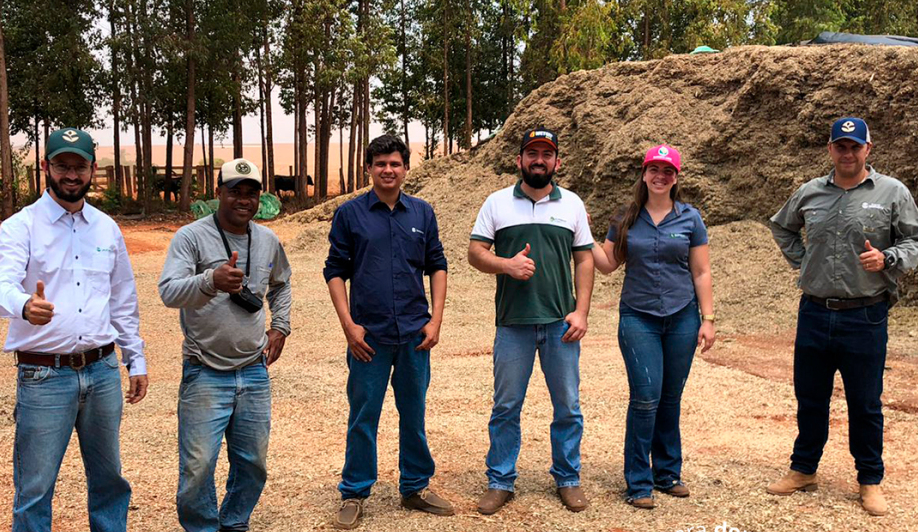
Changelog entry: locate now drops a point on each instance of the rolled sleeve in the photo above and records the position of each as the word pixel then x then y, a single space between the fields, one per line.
pixel 340 261
pixel 435 259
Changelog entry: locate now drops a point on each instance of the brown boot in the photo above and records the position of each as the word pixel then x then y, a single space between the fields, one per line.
pixel 349 514
pixel 872 499
pixel 428 501
pixel 573 498
pixel 644 503
pixel 493 500
pixel 676 490
pixel 793 482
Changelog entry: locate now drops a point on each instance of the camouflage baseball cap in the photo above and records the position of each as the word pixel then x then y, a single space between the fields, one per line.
pixel 70 140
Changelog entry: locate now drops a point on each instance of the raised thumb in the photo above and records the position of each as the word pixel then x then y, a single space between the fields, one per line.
pixel 525 251
pixel 869 247
pixel 233 259
pixel 40 290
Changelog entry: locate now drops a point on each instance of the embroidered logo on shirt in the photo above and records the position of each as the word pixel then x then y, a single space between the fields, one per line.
pixel 108 249
pixel 415 230
pixel 552 219
pixel 866 205
pixel 678 235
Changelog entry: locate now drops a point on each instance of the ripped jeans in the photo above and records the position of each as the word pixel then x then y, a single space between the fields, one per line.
pixel 658 354
pixel 212 404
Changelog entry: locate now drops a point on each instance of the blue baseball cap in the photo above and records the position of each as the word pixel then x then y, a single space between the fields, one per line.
pixel 850 128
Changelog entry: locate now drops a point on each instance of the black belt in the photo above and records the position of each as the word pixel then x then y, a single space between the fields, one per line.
pixel 76 360
pixel 834 303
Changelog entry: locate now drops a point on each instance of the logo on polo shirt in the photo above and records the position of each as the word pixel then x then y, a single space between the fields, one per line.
pixel 866 205
pixel 678 235
pixel 552 219
pixel 415 230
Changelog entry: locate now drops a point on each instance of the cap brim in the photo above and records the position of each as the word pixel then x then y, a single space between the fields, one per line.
pixel 230 183
pixel 855 139
pixel 540 141
pixel 69 149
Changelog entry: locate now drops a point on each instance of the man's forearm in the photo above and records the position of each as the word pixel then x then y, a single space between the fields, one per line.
pixel 583 281
pixel 338 291
pixel 482 259
pixel 438 295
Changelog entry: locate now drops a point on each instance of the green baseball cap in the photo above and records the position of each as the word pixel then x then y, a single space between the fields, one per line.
pixel 70 140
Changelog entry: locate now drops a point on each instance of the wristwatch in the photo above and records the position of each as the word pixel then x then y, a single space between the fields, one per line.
pixel 889 261
pixel 707 317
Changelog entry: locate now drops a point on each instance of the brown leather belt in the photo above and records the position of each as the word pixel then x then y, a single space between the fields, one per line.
pixel 76 361
pixel 833 303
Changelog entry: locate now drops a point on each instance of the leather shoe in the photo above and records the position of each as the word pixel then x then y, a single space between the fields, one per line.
pixel 349 514
pixel 573 498
pixel 793 482
pixel 872 499
pixel 676 490
pixel 644 503
pixel 428 501
pixel 493 500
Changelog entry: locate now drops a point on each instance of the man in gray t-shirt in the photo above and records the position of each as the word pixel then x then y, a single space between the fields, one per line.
pixel 218 272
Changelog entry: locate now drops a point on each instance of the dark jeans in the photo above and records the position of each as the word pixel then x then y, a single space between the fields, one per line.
pixel 852 342
pixel 366 389
pixel 658 353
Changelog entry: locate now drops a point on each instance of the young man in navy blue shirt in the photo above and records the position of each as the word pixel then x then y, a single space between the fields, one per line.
pixel 385 242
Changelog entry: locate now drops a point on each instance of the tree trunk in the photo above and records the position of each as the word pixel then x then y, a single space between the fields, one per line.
pixel 302 187
pixel 261 111
pixel 341 184
pixel 211 170
pixel 405 101
pixel 352 142
pixel 296 128
pixel 37 158
pixel 168 178
pixel 317 102
pixel 237 109
pixel 188 157
pixel 116 105
pixel 468 77
pixel 6 152
pixel 268 125
pixel 361 142
pixel 446 148
pixel 366 122
pixel 204 152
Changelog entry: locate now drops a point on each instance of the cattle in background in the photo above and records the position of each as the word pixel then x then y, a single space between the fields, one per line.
pixel 288 183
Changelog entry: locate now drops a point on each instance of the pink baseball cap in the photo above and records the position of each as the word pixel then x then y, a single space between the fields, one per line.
pixel 663 154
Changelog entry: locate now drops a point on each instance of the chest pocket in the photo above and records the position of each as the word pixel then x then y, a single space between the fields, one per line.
pixel 874 223
pixel 101 265
pixel 815 222
pixel 675 247
pixel 413 243
pixel 258 283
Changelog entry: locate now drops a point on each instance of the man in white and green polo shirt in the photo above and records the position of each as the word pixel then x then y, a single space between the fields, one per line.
pixel 536 227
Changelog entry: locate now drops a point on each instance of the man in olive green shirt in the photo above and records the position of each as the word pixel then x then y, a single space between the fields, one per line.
pixel 861 236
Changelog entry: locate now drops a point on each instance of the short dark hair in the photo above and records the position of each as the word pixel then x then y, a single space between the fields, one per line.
pixel 385 145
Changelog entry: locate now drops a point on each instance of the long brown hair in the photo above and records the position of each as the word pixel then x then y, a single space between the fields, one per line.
pixel 632 211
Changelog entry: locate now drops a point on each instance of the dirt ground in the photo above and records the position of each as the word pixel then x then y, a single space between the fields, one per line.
pixel 738 413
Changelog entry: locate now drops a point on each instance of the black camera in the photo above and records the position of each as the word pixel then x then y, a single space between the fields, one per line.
pixel 247 300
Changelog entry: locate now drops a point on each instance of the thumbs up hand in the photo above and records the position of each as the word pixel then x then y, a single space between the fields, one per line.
pixel 872 260
pixel 228 278
pixel 520 266
pixel 38 310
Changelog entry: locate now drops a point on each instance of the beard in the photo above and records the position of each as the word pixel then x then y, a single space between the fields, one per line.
pixel 537 181
pixel 69 198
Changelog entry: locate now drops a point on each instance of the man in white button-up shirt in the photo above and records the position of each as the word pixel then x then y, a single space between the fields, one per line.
pixel 67 287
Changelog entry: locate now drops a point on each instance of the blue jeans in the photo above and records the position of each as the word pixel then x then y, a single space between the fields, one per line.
pixel 852 342
pixel 50 402
pixel 514 356
pixel 212 404
pixel 366 389
pixel 658 354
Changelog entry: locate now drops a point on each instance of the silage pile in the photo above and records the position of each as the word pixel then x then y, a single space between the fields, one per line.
pixel 751 122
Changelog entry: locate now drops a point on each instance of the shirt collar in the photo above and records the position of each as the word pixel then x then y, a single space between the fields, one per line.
pixel 555 193
pixel 55 212
pixel 374 200
pixel 872 176
pixel 678 209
